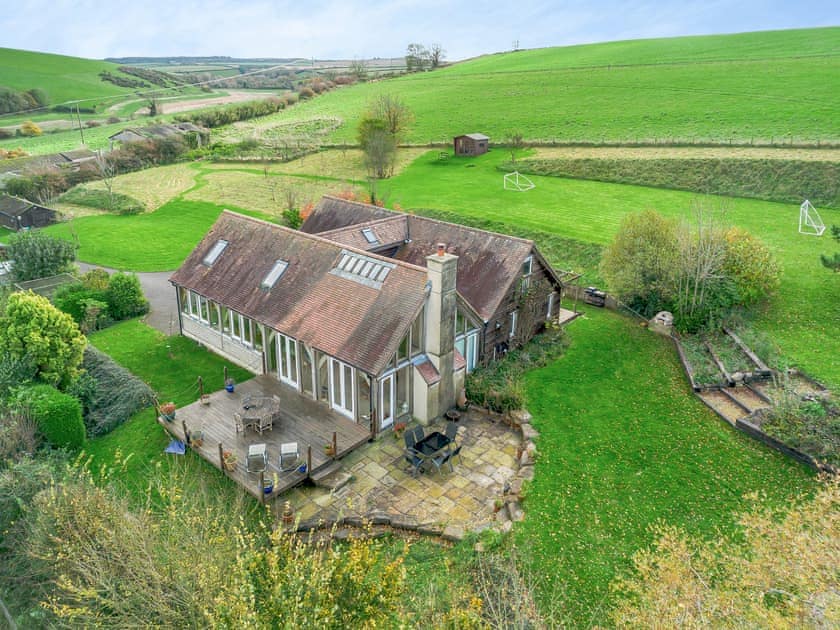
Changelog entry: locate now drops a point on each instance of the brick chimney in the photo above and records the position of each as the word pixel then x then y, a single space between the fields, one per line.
pixel 441 268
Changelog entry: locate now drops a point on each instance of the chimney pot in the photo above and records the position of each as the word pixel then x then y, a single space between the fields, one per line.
pixel 441 249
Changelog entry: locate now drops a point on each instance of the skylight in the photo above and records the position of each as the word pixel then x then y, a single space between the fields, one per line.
pixel 368 271
pixel 214 253
pixel 370 237
pixel 274 275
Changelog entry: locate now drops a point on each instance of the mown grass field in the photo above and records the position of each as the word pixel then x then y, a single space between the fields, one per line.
pixel 803 319
pixel 624 445
pixel 747 87
pixel 157 241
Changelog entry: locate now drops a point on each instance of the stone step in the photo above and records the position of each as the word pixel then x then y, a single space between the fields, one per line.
pixel 331 477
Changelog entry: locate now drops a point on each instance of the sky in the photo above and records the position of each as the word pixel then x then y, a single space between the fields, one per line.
pixel 360 29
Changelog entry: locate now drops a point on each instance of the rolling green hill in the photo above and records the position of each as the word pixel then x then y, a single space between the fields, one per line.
pixel 62 78
pixel 761 87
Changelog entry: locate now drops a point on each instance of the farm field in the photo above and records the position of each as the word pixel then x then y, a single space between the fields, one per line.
pixel 63 78
pixel 803 319
pixel 624 445
pixel 576 93
pixel 686 153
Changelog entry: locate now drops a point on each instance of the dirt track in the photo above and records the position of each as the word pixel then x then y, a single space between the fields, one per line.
pixel 176 107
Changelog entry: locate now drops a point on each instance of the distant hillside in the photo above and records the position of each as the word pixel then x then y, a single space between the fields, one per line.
pixel 767 86
pixel 62 78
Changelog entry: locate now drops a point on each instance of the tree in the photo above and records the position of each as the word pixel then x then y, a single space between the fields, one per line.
pixel 39 255
pixel 639 264
pixel 750 265
pixel 107 171
pixel 782 575
pixel 379 147
pixel 359 69
pixel 125 296
pixel 291 215
pixel 436 55
pixel 394 112
pixel 32 329
pixel 516 143
pixel 416 57
pixel 833 262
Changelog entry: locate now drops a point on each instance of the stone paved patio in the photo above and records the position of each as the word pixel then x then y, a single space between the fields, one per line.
pixel 381 481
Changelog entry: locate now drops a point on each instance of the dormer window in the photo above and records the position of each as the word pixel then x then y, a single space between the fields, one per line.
pixel 370 237
pixel 214 253
pixel 274 275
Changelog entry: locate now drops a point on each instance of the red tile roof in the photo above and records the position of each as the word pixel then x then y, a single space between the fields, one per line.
pixel 349 319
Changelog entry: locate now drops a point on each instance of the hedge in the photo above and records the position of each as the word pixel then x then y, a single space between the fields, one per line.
pixel 58 415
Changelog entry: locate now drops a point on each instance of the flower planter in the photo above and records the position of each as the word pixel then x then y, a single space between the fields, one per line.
pixel 229 388
pixel 197 438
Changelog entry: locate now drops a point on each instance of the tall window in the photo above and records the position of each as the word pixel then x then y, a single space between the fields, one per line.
pixel 527 268
pixel 514 316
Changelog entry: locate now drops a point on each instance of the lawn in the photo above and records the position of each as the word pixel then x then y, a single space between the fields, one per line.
pixel 623 445
pixel 155 241
pixel 618 92
pixel 802 319
pixel 171 366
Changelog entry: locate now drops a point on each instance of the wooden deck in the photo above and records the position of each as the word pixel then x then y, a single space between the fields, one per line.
pixel 302 420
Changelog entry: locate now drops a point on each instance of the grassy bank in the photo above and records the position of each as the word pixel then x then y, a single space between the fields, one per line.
pixel 623 445
pixel 787 181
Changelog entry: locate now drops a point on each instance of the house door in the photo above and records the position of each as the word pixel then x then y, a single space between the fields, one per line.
pixel 387 401
pixel 341 388
pixel 287 360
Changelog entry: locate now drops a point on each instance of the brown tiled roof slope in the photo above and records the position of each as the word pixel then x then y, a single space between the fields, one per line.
pixel 356 323
pixel 332 213
pixel 389 231
pixel 488 263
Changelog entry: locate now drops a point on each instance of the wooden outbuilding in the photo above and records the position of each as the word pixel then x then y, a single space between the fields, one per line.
pixel 18 214
pixel 471 144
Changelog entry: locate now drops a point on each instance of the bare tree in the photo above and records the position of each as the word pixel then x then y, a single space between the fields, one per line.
pixel 107 171
pixel 416 57
pixel 359 69
pixel 394 112
pixel 436 55
pixel 516 143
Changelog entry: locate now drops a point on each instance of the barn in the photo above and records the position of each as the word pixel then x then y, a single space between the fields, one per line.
pixel 471 144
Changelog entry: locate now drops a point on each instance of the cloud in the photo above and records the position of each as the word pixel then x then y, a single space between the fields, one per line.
pixel 356 28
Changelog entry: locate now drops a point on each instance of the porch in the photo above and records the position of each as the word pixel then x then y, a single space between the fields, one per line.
pixel 311 424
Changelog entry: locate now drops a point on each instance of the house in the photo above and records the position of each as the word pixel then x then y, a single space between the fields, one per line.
pixel 506 288
pixel 471 144
pixel 379 320
pixel 18 214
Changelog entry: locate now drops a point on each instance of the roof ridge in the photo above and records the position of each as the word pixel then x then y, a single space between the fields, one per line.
pixel 360 203
pixel 469 227
pixel 316 237
pixel 398 216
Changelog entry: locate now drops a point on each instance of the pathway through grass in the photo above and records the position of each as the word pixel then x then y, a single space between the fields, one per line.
pixel 623 445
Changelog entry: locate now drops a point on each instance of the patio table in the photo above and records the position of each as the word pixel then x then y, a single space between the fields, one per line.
pixel 432 444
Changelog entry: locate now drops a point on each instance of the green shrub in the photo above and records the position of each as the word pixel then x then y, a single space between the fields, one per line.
pixel 112 395
pixel 810 426
pixel 58 415
pixel 499 385
pixel 125 297
pixel 100 199
pixel 71 299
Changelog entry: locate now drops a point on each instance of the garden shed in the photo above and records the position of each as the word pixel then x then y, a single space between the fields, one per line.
pixel 471 144
pixel 19 214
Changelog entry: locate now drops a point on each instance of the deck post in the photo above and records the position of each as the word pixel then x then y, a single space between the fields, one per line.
pixel 221 457
pixel 373 425
pixel 186 433
pixel 262 487
pixel 308 460
pixel 200 387
pixel 335 444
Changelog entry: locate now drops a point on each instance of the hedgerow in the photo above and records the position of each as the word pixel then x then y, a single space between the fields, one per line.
pixel 58 415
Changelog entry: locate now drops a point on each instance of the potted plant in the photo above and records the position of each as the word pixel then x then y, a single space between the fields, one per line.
pixel 288 515
pixel 167 411
pixel 196 438
pixel 399 428
pixel 229 460
pixel 229 383
pixel 329 451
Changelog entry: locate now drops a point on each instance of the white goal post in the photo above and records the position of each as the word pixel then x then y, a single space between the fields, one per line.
pixel 517 181
pixel 810 221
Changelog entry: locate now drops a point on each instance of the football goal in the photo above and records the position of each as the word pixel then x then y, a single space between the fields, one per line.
pixel 809 220
pixel 517 181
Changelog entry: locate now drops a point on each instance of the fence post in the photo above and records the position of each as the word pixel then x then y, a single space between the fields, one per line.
pixel 221 457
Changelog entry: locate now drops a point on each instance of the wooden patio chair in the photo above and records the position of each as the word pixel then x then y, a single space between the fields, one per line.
pixel 266 422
